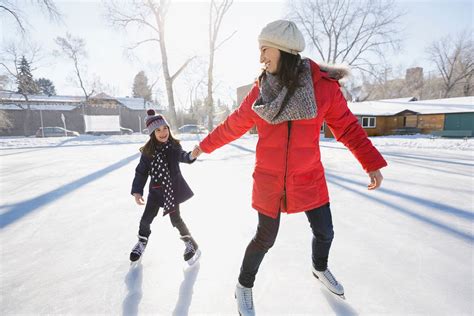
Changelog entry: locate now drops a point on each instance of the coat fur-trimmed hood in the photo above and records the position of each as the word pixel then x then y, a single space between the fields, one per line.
pixel 337 72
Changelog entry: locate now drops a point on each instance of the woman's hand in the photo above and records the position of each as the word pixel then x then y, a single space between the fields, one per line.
pixel 375 179
pixel 139 199
pixel 197 151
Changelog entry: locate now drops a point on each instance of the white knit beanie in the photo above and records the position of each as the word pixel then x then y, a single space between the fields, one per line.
pixel 283 35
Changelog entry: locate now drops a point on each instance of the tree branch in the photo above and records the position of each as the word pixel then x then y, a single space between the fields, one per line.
pixel 173 77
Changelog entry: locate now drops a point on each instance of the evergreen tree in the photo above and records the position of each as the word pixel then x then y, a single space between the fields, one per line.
pixel 45 86
pixel 141 89
pixel 26 84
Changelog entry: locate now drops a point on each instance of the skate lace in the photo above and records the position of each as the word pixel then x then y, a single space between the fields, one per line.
pixel 139 247
pixel 247 297
pixel 330 277
pixel 189 247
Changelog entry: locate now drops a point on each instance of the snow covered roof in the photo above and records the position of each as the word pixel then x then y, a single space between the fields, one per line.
pixel 407 99
pixel 42 107
pixel 133 103
pixel 138 103
pixel 41 98
pixel 102 96
pixel 439 106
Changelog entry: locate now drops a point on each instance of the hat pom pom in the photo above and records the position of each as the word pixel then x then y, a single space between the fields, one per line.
pixel 150 112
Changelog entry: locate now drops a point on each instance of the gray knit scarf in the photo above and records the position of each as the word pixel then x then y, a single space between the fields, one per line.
pixel 274 107
pixel 160 174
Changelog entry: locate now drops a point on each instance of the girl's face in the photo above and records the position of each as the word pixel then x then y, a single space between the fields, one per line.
pixel 270 57
pixel 162 134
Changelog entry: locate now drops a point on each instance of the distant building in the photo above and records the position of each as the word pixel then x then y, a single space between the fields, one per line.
pixel 445 117
pixel 27 116
pixel 242 92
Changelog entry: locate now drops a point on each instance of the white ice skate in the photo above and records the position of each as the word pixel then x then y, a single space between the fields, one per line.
pixel 244 300
pixel 329 281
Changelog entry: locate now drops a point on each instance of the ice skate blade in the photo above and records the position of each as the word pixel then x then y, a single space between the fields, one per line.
pixel 337 294
pixel 195 258
pixel 134 263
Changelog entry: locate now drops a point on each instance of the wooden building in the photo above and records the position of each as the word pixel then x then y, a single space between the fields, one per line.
pixel 444 117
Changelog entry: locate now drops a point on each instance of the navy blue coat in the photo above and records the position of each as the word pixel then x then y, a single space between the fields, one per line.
pixel 182 191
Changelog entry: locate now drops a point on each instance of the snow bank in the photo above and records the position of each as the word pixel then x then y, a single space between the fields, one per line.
pixel 406 141
pixel 418 141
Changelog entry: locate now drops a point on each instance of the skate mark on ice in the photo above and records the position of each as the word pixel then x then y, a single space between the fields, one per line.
pixel 339 305
pixel 133 280
pixel 186 290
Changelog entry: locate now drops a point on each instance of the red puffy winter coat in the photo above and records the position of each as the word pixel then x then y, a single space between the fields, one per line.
pixel 288 175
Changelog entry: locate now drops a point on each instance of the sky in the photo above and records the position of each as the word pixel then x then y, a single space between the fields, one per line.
pixel 404 249
pixel 236 61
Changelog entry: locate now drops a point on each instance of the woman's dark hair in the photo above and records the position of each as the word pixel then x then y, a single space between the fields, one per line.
pixel 289 69
pixel 153 144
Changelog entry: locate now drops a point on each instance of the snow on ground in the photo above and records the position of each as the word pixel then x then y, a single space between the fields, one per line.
pixel 68 222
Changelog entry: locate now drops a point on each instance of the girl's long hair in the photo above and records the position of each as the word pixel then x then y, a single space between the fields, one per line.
pixel 289 69
pixel 153 144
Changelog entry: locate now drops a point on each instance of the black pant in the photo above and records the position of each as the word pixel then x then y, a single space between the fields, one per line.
pixel 151 210
pixel 321 224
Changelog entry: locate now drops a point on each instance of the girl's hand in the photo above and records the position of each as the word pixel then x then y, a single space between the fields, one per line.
pixel 375 179
pixel 139 199
pixel 197 151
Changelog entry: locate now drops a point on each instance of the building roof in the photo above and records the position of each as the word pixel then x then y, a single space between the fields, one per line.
pixel 133 103
pixel 438 106
pixel 138 104
pixel 12 97
pixel 9 98
pixel 407 99
pixel 42 107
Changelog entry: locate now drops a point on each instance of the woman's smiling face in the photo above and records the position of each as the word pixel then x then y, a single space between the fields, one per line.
pixel 270 57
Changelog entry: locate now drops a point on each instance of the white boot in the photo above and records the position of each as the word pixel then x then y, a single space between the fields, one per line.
pixel 329 281
pixel 244 300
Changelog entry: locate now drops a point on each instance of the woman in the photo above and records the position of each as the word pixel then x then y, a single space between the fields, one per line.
pixel 288 104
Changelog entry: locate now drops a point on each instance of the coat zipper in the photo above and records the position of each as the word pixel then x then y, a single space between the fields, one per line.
pixel 286 164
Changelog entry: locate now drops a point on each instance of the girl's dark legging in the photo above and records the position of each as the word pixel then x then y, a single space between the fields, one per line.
pixel 321 224
pixel 151 210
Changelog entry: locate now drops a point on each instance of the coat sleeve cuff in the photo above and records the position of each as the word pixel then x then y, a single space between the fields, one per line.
pixel 190 158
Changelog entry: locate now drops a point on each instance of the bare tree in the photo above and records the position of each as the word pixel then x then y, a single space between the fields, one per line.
pixel 195 83
pixel 10 7
pixel 10 56
pixel 216 14
pixel 347 31
pixel 454 59
pixel 74 49
pixel 150 15
pixel 387 84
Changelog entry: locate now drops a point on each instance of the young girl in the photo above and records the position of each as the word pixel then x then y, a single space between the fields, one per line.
pixel 160 159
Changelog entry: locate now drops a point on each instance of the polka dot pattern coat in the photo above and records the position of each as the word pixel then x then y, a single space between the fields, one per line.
pixel 167 187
